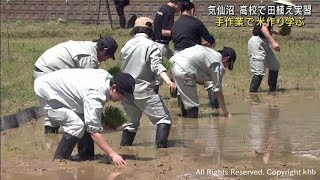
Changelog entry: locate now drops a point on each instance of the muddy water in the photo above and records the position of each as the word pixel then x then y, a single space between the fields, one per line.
pixel 267 134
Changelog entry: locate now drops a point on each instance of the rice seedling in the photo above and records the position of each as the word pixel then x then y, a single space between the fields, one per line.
pixel 285 30
pixel 113 117
pixel 114 70
pixel 167 64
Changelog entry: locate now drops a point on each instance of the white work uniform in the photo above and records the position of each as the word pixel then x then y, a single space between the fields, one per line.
pixel 70 93
pixel 197 64
pixel 261 56
pixel 141 59
pixel 66 55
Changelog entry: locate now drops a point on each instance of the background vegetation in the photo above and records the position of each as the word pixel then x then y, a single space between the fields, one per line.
pixel 23 42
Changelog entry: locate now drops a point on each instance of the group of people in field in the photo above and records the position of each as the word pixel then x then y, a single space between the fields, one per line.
pixel 73 90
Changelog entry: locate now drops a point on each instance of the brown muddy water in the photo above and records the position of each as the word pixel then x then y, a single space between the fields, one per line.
pixel 269 136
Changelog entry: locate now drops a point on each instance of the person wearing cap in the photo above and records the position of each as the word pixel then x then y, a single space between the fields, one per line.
pixel 74 98
pixel 261 54
pixel 188 31
pixel 163 23
pixel 201 65
pixel 141 58
pixel 73 54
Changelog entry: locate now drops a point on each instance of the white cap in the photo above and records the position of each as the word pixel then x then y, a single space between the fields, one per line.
pixel 285 2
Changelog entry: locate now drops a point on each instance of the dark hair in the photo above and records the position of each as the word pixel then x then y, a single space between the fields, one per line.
pixel 227 51
pixel 186 6
pixel 100 44
pixel 145 30
pixel 111 82
pixel 174 1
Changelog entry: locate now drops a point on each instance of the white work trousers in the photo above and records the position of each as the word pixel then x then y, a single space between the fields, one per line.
pixel 261 56
pixel 152 106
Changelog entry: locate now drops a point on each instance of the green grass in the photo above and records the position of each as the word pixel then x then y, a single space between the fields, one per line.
pixel 299 56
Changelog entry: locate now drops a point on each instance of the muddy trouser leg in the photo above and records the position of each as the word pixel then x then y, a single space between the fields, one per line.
pixel 258 70
pixel 120 10
pixel 258 53
pixel 130 129
pixel 272 80
pixel 65 146
pixel 255 83
pixel 158 113
pixel 273 65
pixel 187 89
pixel 86 147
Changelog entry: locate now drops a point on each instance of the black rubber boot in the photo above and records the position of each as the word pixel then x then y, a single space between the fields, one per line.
pixel 272 80
pixel 192 112
pixel 183 110
pixel 127 138
pixel 156 89
pixel 65 146
pixel 162 135
pixel 51 130
pixel 255 83
pixel 85 148
pixel 213 100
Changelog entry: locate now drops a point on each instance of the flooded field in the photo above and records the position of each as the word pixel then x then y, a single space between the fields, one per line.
pixel 269 136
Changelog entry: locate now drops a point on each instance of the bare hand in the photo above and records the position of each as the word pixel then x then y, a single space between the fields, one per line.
pixel 172 86
pixel 118 160
pixel 276 46
pixel 207 44
pixel 228 115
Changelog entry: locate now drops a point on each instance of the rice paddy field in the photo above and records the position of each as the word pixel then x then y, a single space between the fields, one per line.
pixel 274 135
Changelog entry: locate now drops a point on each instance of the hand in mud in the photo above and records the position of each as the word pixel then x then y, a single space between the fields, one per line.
pixel 228 115
pixel 113 175
pixel 118 160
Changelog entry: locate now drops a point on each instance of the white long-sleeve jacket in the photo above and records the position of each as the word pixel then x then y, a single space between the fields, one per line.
pixel 82 90
pixel 141 58
pixel 70 54
pixel 203 64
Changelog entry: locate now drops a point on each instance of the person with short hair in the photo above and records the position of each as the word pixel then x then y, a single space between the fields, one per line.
pixel 163 23
pixel 74 54
pixel 188 31
pixel 74 98
pixel 141 58
pixel 201 65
